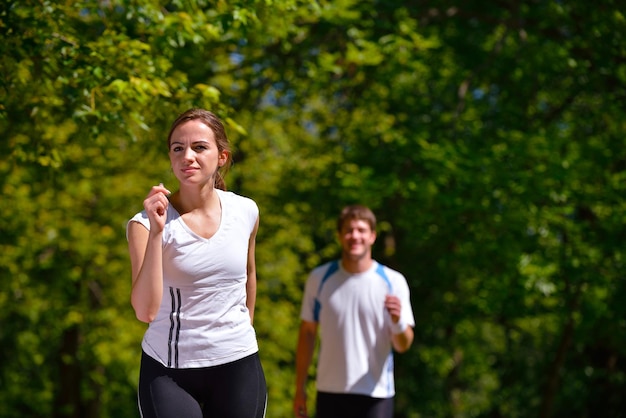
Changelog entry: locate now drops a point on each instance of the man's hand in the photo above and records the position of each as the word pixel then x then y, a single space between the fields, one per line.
pixel 299 405
pixel 394 307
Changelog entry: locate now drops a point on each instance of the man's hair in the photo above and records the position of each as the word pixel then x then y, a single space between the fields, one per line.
pixel 356 212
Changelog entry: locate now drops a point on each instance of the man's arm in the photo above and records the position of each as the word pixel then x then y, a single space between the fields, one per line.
pixel 304 354
pixel 402 334
pixel 402 342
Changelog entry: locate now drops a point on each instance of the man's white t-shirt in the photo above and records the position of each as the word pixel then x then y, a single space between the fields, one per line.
pixel 355 328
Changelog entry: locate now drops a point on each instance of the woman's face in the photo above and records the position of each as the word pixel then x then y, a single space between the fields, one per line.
pixel 194 155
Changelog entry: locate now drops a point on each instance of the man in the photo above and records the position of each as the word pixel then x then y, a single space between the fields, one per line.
pixel 364 313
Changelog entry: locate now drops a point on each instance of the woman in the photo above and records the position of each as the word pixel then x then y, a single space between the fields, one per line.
pixel 194 282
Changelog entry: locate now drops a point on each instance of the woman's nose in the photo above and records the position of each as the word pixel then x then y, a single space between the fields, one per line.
pixel 188 154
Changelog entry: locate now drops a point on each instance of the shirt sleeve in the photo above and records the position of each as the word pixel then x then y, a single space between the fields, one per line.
pixel 249 209
pixel 309 296
pixel 142 218
pixel 403 292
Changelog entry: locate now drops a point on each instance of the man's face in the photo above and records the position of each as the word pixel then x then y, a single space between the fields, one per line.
pixel 356 238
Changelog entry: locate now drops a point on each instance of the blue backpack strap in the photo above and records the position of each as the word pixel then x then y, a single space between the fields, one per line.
pixel 380 270
pixel 332 268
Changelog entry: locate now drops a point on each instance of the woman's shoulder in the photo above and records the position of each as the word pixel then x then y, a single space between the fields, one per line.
pixel 140 217
pixel 237 199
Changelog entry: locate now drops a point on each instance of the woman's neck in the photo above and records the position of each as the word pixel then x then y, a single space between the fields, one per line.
pixel 190 199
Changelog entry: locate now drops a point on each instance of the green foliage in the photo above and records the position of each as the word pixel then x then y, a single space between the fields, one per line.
pixel 488 140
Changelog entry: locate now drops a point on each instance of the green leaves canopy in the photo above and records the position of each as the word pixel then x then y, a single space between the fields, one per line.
pixel 488 140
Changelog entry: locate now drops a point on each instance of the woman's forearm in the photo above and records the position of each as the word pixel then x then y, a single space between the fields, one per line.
pixel 147 288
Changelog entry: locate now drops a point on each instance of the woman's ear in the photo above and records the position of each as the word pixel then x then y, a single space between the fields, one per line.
pixel 223 158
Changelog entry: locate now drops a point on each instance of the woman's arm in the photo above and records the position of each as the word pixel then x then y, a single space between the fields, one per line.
pixel 145 248
pixel 147 271
pixel 251 282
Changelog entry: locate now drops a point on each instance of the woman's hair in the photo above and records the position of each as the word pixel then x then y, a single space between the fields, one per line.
pixel 356 212
pixel 216 125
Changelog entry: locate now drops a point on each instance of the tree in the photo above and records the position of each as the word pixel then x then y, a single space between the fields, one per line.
pixel 488 140
pixel 88 89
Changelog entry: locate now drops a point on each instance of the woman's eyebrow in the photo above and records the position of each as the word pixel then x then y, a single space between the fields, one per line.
pixel 202 141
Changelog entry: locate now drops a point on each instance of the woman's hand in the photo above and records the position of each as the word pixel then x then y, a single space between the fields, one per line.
pixel 156 204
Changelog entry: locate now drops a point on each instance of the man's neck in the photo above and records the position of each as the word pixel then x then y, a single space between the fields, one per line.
pixel 359 265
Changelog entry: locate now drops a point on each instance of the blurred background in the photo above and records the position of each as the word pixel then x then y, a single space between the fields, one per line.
pixel 487 136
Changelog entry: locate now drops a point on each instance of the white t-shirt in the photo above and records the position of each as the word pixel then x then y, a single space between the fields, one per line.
pixel 203 319
pixel 355 328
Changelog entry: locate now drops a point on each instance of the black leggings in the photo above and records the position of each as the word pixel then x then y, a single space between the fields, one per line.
pixel 345 405
pixel 233 390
